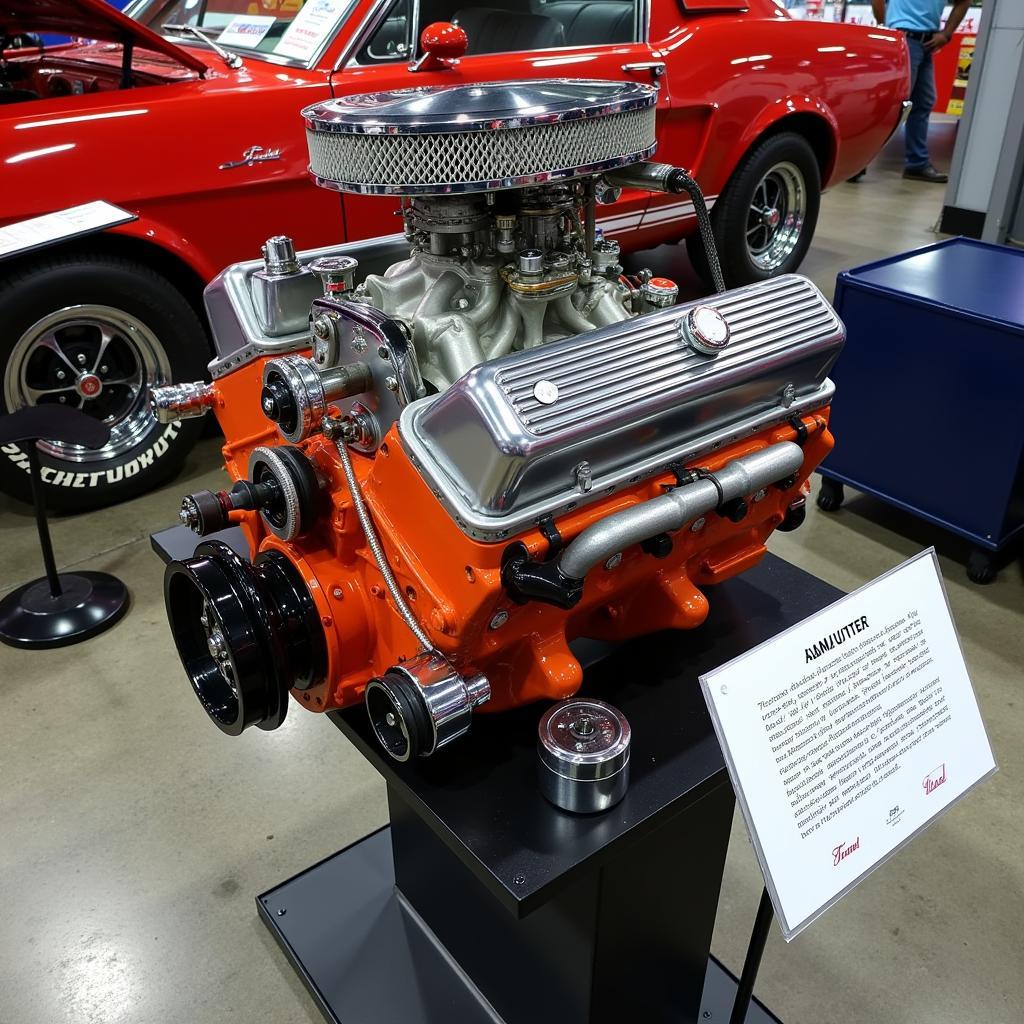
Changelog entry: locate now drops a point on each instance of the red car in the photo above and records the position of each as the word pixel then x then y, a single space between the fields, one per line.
pixel 186 113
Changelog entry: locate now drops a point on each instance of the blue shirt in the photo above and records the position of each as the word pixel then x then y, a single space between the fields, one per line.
pixel 916 15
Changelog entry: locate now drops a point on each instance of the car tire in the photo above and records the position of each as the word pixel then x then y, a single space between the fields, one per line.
pixel 764 219
pixel 72 319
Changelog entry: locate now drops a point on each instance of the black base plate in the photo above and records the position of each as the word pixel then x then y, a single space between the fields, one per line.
pixel 365 956
pixel 90 602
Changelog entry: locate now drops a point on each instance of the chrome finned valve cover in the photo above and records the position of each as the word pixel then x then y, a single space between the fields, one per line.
pixel 541 431
pixel 436 140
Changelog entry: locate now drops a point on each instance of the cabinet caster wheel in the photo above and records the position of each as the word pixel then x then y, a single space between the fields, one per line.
pixel 830 496
pixel 981 567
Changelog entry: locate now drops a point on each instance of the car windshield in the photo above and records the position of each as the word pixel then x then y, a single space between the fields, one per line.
pixel 294 29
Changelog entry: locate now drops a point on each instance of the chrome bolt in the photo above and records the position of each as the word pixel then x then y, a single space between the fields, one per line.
pixel 103 368
pixel 383 352
pixel 61 375
pixel 217 647
pixel 697 525
pixel 337 593
pixel 391 383
pixel 322 327
pixel 63 398
pixel 761 495
pixel 358 341
pixel 461 303
pixel 391 719
pixel 788 395
pixel 499 619
pixel 189 516
pixel 614 562
pixel 80 358
pixel 268 405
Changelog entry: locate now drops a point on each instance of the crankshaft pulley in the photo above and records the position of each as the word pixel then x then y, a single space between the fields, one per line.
pixel 246 632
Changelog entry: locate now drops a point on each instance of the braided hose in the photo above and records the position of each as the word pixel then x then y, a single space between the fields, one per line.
pixel 707 235
pixel 666 178
pixel 376 549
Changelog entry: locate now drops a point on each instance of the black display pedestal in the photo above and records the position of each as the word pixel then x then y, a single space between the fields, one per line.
pixel 60 608
pixel 482 902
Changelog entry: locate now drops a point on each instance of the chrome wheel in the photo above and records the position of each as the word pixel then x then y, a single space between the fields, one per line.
pixel 776 217
pixel 95 358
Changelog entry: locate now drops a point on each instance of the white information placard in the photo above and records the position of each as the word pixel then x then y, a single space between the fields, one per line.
pixel 848 734
pixel 246 30
pixel 309 28
pixel 31 234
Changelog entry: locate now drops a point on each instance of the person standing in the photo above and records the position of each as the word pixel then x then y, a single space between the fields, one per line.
pixel 921 22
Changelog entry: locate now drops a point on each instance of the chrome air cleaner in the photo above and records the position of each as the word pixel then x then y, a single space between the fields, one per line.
pixel 439 140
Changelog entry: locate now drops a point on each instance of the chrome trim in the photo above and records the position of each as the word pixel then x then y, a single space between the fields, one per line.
pixel 252 155
pixel 905 107
pixel 656 67
pixel 367 26
pixel 381 113
pixel 458 188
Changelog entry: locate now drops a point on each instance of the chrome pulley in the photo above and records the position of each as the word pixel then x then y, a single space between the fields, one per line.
pixel 283 487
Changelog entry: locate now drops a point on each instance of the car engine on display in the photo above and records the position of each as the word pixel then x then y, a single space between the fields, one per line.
pixel 450 467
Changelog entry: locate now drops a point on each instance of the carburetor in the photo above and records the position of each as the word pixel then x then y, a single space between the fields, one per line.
pixel 457 450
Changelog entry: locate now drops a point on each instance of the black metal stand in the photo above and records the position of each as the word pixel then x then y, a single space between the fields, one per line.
pixel 60 608
pixel 752 963
pixel 483 902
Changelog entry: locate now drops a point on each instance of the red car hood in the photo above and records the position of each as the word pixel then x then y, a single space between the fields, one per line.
pixel 93 19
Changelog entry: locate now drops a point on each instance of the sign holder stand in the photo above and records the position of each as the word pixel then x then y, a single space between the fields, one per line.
pixel 752 961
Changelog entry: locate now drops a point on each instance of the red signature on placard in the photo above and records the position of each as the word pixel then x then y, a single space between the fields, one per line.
pixel 843 850
pixel 935 778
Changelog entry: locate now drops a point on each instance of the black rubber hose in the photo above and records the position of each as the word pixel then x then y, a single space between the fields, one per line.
pixel 680 181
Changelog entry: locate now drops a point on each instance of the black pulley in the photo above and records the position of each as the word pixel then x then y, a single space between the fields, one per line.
pixel 246 633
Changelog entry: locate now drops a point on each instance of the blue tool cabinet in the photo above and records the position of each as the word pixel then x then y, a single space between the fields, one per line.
pixel 929 407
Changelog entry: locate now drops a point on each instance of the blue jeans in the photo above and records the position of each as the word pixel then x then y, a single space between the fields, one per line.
pixel 922 95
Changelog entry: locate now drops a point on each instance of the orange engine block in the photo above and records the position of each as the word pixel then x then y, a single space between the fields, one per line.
pixel 455 453
pixel 384 570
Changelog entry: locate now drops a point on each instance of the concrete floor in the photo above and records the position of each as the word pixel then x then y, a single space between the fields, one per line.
pixel 134 836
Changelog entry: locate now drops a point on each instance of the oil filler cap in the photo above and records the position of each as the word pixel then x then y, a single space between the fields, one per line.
pixel 583 755
pixel 705 329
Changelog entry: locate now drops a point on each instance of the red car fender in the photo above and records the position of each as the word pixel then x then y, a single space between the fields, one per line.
pixel 778 111
pixel 152 232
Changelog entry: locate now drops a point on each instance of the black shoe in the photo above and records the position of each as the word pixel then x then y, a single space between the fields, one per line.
pixel 926 173
pixel 859 176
